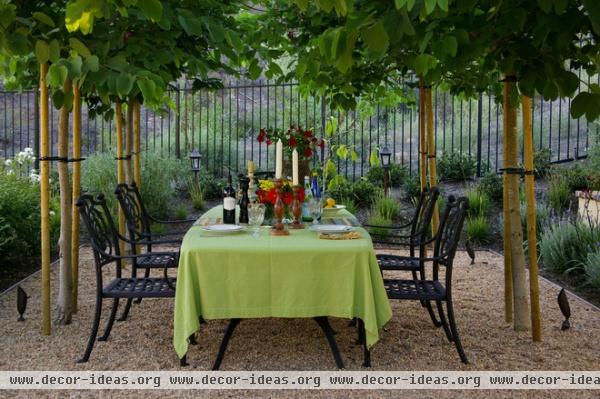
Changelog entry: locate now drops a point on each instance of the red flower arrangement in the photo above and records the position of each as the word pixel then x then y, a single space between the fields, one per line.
pixel 267 194
pixel 304 141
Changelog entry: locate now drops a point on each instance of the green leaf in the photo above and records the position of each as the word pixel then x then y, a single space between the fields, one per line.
pixel 54 50
pixel 429 6
pixel 374 158
pixel 331 126
pixel 302 4
pixel 376 38
pixel 124 85
pixel 148 88
pixel 399 4
pixel 91 64
pixel 353 155
pixel 57 75
pixel 58 99
pixel 443 4
pixel 152 9
pixel 593 9
pixel 545 5
pixel 451 45
pixel 410 4
pixel 42 51
pixel 423 63
pixel 43 18
pixel 342 151
pixel 325 5
pixel 579 104
pixel 79 47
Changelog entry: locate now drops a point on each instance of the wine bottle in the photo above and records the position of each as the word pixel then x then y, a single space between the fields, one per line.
pixel 244 200
pixel 229 203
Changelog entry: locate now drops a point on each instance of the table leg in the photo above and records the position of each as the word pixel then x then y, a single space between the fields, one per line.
pixel 230 328
pixel 323 322
pixel 362 338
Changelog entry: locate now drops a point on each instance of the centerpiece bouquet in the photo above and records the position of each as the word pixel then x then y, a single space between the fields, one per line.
pixel 267 195
pixel 295 137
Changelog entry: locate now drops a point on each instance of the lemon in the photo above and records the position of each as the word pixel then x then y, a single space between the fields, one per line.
pixel 330 203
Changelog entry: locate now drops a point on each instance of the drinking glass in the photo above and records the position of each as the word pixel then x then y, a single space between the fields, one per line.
pixel 256 216
pixel 315 207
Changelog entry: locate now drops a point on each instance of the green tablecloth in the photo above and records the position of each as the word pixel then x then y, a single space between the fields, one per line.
pixel 300 275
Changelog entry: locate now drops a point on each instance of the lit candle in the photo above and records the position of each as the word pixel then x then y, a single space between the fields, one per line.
pixel 278 159
pixel 250 167
pixel 295 167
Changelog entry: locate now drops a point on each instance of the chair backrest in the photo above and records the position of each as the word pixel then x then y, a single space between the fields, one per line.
pixel 136 217
pixel 101 228
pixel 448 235
pixel 421 221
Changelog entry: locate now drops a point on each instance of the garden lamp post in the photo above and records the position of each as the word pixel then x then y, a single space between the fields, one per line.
pixel 386 156
pixel 195 160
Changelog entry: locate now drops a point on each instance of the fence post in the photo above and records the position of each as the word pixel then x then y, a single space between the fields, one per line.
pixel 479 132
pixel 178 123
pixel 36 132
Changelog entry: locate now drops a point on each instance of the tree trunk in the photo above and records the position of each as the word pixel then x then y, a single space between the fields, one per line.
pixel 129 143
pixel 45 201
pixel 76 191
pixel 64 305
pixel 422 139
pixel 120 168
pixel 137 171
pixel 534 289
pixel 519 276
pixel 431 157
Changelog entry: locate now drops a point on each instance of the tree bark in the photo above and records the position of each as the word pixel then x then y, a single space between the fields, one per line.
pixel 422 138
pixel 120 168
pixel 129 143
pixel 76 191
pixel 519 276
pixel 64 305
pixel 534 289
pixel 137 171
pixel 45 201
pixel 431 157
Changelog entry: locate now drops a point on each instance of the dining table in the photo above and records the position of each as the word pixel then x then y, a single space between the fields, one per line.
pixel 240 275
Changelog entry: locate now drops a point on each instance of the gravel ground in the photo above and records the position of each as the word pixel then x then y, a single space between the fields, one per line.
pixel 408 342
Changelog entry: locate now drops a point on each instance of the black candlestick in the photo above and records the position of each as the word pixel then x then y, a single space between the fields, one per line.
pixel 244 201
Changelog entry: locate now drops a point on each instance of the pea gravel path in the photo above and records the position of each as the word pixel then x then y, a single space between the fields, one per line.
pixel 409 341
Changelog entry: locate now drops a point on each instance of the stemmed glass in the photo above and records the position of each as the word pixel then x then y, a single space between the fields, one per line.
pixel 315 207
pixel 256 216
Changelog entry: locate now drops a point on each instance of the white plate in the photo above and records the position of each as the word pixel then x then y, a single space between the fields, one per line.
pixel 330 228
pixel 223 228
pixel 335 208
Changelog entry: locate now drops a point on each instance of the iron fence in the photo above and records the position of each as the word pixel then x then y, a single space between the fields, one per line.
pixel 223 124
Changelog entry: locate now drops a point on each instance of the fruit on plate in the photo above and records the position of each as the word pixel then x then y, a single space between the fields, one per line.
pixel 330 203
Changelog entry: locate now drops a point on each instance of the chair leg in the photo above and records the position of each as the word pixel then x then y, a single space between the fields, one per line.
pixel 233 323
pixel 94 333
pixel 192 340
pixel 363 339
pixel 457 342
pixel 183 361
pixel 126 310
pixel 146 275
pixel 328 331
pixel 434 319
pixel 444 322
pixel 111 320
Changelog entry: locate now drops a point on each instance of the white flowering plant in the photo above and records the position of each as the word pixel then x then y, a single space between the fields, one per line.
pixel 21 166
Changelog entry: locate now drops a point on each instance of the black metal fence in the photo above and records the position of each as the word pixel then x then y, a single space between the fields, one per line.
pixel 223 125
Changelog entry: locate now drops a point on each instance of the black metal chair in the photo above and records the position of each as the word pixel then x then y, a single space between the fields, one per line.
pixel 433 290
pixel 415 240
pixel 139 223
pixel 105 240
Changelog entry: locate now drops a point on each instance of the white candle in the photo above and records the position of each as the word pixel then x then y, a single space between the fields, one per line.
pixel 295 167
pixel 278 159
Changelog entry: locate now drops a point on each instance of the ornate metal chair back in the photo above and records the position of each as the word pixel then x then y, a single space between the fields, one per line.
pixel 130 200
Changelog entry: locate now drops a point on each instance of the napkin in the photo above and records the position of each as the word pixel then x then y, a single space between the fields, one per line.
pixel 351 235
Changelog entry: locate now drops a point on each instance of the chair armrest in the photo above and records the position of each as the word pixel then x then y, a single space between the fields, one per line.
pixel 180 221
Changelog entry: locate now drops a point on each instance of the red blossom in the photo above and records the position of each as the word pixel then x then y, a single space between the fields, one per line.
pixel 293 142
pixel 307 133
pixel 314 140
pixel 287 197
pixel 308 153
pixel 260 138
pixel 322 143
pixel 269 142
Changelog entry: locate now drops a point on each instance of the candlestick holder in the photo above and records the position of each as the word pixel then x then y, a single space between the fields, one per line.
pixel 278 209
pixel 296 209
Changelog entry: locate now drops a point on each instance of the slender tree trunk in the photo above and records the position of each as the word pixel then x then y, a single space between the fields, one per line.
pixel 137 170
pixel 519 276
pixel 129 143
pixel 45 201
pixel 64 305
pixel 76 190
pixel 120 167
pixel 431 157
pixel 422 138
pixel 534 289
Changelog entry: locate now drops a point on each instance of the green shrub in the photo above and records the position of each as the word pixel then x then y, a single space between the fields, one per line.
pixel 412 186
pixel 350 204
pixel 592 268
pixel 181 213
pixel 379 220
pixel 559 193
pixel 479 203
pixel 397 175
pixel 564 245
pixel 542 160
pixel 577 177
pixel 387 207
pixel 365 192
pixel 491 185
pixel 456 166
pixel 196 194
pixel 211 186
pixel 375 174
pixel 339 188
pixel 542 217
pixel 478 229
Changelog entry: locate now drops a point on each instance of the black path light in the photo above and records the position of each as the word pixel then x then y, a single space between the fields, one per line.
pixel 195 161
pixel 385 155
